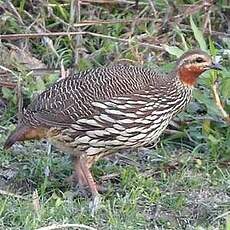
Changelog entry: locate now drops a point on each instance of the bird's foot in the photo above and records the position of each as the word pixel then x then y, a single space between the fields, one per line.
pixel 82 187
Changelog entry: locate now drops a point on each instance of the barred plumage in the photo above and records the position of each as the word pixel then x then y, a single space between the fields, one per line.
pixel 88 108
pixel 100 111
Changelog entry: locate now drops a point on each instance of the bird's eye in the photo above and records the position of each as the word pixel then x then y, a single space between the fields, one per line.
pixel 199 60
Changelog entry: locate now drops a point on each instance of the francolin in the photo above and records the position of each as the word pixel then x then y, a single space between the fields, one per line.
pixel 101 111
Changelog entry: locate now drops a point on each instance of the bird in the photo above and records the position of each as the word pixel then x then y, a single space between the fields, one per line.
pixel 98 112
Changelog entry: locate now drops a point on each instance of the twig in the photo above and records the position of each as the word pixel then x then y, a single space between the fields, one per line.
pixel 187 28
pixel 100 2
pixel 62 226
pixel 3 192
pixel 218 102
pixel 8 70
pixel 126 40
pixel 109 176
pixel 78 11
pixel 222 216
pixel 11 6
pixel 128 160
pixel 172 131
pixel 217 33
pixel 207 22
pixel 113 2
pixel 53 34
pixel 102 22
pixel 75 12
pixel 9 85
pixel 19 98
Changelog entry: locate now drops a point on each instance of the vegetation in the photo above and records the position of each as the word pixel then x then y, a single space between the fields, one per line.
pixel 183 183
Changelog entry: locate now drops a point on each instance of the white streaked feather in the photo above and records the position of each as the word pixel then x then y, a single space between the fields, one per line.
pixel 125 121
pixel 132 115
pixel 77 127
pixel 134 129
pixel 136 102
pixel 114 142
pixel 99 105
pixel 112 130
pixel 107 118
pixel 114 111
pixel 119 127
pixel 93 150
pixel 146 121
pixel 97 133
pixel 137 137
pixel 122 138
pixel 84 139
pixel 89 122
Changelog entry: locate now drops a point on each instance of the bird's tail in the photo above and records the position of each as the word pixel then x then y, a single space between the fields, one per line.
pixel 22 133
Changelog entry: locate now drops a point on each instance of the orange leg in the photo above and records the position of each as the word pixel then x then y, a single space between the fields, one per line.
pixel 84 175
pixel 85 179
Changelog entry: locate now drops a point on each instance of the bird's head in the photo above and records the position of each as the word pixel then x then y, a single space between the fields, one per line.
pixel 193 63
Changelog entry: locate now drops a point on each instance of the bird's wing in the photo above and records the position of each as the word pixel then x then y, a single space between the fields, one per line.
pixel 77 96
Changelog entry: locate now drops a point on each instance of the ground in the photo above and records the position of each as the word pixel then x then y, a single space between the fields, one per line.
pixel 164 187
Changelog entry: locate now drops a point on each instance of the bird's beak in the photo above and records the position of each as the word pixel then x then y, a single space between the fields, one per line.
pixel 216 66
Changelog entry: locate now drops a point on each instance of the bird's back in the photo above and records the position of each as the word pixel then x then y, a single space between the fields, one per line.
pixel 71 98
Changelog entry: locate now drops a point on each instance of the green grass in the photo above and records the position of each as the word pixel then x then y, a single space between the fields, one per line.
pixel 169 189
pixel 182 184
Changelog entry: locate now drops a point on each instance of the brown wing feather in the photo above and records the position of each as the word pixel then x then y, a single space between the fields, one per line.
pixel 70 99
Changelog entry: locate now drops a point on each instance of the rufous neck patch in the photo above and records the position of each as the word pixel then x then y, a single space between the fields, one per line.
pixel 189 75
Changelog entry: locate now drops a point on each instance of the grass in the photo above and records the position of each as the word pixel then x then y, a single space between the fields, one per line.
pixel 168 189
pixel 183 183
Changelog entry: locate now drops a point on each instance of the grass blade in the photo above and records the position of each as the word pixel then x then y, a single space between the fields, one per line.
pixel 198 35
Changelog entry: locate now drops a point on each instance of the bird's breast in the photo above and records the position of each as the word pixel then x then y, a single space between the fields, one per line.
pixel 95 138
pixel 121 123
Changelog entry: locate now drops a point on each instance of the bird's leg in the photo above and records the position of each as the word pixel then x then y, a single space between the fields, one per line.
pixel 85 179
pixel 86 174
pixel 91 183
pixel 78 177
